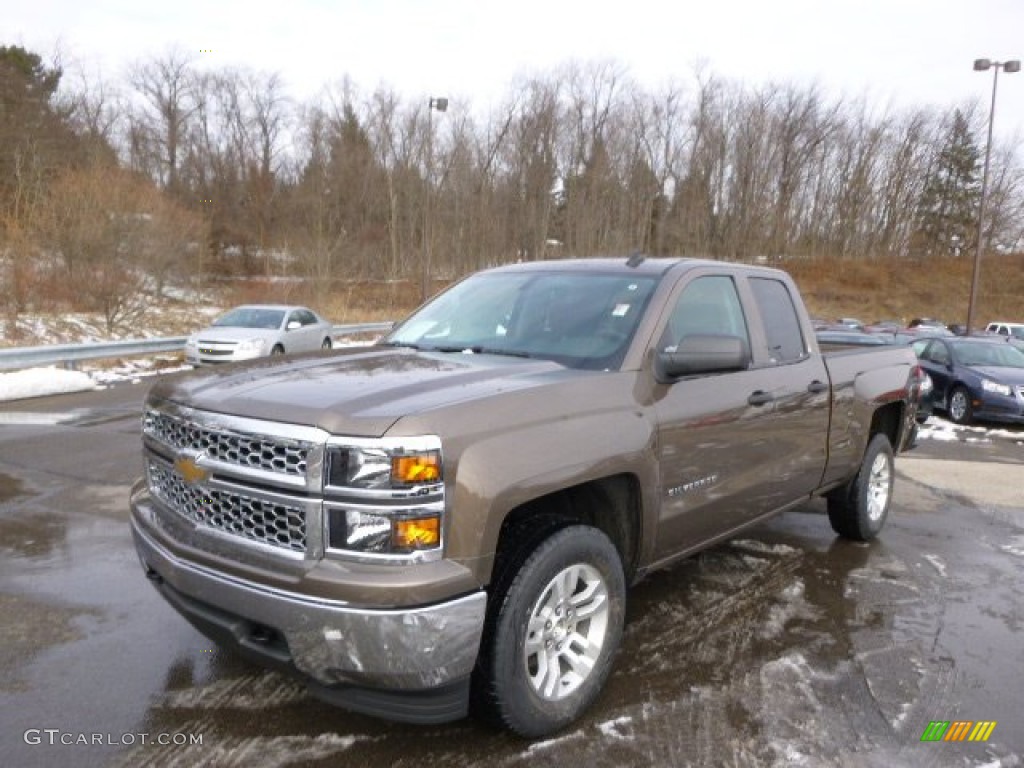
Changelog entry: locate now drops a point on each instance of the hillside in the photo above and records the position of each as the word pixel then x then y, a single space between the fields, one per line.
pixel 867 289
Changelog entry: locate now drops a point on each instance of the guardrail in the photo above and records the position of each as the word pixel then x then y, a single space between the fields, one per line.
pixel 69 354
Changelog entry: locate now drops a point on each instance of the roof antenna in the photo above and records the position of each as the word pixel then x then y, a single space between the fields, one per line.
pixel 635 260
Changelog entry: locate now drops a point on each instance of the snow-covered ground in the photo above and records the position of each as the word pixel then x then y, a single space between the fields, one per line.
pixel 171 318
pixel 39 382
pixel 937 428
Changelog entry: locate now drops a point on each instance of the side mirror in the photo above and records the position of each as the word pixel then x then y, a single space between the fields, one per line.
pixel 704 353
pixel 292 325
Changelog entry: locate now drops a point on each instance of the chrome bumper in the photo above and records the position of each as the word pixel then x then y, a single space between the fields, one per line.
pixel 334 643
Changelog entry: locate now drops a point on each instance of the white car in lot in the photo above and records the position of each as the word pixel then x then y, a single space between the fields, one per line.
pixel 257 330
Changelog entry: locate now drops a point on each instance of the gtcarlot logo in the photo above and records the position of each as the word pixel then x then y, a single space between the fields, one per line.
pixel 958 730
pixel 57 737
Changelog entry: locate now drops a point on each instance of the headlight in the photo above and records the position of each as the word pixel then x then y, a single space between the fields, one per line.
pixel 382 468
pixel 385 498
pixel 994 386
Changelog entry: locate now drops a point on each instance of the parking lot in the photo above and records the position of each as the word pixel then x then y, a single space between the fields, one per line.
pixel 787 646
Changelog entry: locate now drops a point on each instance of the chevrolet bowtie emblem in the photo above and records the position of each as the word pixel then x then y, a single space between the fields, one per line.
pixel 189 469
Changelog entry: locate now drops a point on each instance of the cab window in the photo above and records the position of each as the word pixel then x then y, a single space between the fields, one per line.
pixel 708 305
pixel 781 322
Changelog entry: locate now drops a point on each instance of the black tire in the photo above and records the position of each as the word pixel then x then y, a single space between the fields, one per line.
pixel 277 350
pixel 959 405
pixel 535 622
pixel 326 343
pixel 860 508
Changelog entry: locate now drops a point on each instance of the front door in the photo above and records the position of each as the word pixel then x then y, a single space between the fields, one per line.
pixel 733 446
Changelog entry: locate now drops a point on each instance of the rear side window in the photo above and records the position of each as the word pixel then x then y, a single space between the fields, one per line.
pixel 781 321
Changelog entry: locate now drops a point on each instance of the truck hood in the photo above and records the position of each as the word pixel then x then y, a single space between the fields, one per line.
pixel 354 392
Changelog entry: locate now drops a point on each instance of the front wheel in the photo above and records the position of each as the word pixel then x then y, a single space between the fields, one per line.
pixel 859 509
pixel 556 632
pixel 960 411
pixel 277 350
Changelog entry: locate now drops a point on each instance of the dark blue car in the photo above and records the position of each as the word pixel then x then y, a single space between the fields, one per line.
pixel 975 378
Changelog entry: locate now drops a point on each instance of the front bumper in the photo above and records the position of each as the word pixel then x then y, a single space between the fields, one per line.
pixel 410 664
pixel 990 406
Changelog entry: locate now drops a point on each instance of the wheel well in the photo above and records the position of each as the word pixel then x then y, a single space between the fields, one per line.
pixel 888 419
pixel 611 504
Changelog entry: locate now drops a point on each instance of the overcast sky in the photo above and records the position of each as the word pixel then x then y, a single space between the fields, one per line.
pixel 900 53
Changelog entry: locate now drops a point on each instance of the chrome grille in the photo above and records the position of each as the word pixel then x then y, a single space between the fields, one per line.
pixel 279 525
pixel 257 451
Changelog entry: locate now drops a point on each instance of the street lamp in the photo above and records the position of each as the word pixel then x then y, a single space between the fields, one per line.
pixel 440 103
pixel 982 65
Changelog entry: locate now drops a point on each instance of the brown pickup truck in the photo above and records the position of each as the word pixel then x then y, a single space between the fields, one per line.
pixel 447 521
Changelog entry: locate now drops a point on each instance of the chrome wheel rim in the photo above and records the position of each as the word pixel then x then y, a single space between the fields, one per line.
pixel 566 631
pixel 879 487
pixel 958 405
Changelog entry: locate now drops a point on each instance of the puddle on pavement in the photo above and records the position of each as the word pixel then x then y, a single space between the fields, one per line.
pixel 33 536
pixel 29 628
pixel 11 488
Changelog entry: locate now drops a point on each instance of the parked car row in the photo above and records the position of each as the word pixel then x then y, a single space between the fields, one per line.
pixel 977 377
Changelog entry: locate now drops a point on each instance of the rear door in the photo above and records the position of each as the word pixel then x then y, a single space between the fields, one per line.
pixel 733 446
pixel 798 384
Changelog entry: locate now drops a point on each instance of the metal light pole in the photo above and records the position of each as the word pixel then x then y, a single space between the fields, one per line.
pixel 440 103
pixel 982 65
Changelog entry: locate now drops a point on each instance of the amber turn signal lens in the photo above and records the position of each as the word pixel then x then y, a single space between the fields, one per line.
pixel 419 533
pixel 419 468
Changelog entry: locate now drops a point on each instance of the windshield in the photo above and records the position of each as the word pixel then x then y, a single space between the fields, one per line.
pixel 999 355
pixel 250 317
pixel 578 319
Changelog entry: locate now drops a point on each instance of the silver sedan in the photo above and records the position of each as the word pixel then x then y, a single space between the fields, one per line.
pixel 257 330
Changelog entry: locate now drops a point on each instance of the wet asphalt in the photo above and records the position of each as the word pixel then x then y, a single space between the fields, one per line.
pixel 786 646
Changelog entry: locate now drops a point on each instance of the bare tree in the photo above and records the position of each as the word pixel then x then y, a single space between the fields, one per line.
pixel 165 103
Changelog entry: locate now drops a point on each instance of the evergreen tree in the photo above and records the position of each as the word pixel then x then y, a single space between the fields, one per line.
pixel 947 211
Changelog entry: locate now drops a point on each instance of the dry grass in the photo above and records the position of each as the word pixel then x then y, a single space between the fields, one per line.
pixel 873 289
pixel 344 302
pixel 901 289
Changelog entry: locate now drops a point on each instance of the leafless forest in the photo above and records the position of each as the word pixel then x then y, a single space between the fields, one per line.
pixel 111 189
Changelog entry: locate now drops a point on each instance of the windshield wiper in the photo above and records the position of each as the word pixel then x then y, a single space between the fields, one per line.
pixel 401 344
pixel 481 350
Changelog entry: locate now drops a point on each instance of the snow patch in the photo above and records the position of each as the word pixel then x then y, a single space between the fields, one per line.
pixel 939 429
pixel 782 613
pixel 37 382
pixel 613 729
pixel 753 545
pixel 937 563
pixel 541 746
pixel 1015 547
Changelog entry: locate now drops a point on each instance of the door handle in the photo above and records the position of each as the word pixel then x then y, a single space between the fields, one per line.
pixel 760 397
pixel 817 387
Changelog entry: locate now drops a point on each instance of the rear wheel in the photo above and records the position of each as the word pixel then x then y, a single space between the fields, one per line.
pixel 555 632
pixel 960 410
pixel 277 350
pixel 859 509
pixel 326 344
